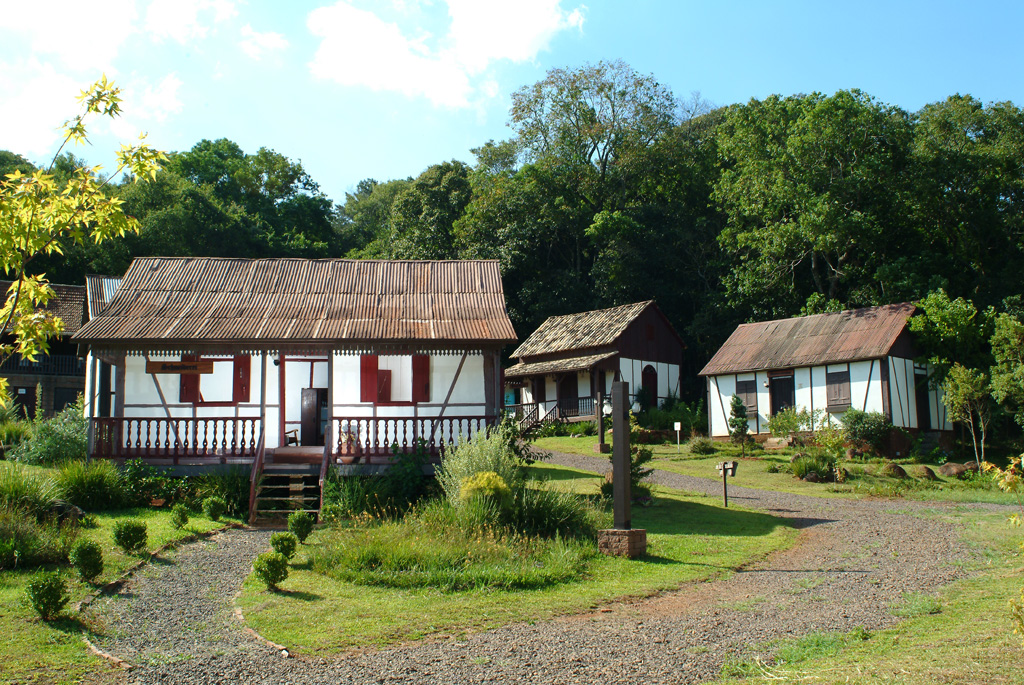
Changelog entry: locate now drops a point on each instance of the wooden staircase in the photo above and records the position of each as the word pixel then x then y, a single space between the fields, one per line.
pixel 285 488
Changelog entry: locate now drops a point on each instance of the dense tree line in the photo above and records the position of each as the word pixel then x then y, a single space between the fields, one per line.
pixel 612 190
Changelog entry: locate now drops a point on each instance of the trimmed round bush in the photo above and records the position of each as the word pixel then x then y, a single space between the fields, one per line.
pixel 130 535
pixel 179 516
pixel 284 543
pixel 300 523
pixel 48 594
pixel 87 558
pixel 271 568
pixel 214 507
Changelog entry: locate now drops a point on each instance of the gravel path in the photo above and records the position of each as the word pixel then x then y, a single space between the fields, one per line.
pixel 855 559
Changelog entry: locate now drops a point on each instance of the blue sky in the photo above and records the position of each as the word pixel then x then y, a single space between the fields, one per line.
pixel 381 89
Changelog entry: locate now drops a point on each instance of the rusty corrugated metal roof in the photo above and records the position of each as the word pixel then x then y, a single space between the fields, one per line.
pixel 181 300
pixel 99 290
pixel 563 365
pixel 67 304
pixel 580 331
pixel 831 338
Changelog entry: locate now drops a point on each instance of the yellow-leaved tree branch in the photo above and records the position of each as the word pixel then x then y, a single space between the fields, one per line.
pixel 38 215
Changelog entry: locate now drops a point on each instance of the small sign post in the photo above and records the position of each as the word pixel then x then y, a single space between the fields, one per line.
pixel 726 468
pixel 679 427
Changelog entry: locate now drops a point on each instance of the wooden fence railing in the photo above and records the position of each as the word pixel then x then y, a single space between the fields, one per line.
pixel 377 437
pixel 213 438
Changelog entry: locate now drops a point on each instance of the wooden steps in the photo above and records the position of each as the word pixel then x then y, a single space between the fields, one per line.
pixel 286 488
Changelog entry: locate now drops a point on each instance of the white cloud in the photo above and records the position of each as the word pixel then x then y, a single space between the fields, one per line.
pixel 180 19
pixel 256 44
pixel 485 32
pixel 37 100
pixel 84 37
pixel 146 104
pixel 359 48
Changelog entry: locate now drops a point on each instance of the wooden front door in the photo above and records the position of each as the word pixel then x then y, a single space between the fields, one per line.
pixel 923 398
pixel 649 382
pixel 568 395
pixel 782 392
pixel 314 416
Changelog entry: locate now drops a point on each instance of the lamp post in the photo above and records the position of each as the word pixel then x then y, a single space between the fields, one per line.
pixel 726 468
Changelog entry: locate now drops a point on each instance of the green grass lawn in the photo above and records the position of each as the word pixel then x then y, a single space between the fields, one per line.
pixel 34 651
pixel 689 539
pixel 965 638
pixel 753 472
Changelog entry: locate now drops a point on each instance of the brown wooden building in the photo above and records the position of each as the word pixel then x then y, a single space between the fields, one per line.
pixel 570 359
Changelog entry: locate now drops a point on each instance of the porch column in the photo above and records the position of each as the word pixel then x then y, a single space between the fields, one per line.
pixel 263 394
pixel 119 377
pixel 330 398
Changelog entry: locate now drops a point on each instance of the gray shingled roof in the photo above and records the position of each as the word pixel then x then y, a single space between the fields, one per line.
pixel 580 331
pixel 67 304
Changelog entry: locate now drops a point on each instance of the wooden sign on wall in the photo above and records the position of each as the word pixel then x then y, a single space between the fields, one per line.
pixel 189 367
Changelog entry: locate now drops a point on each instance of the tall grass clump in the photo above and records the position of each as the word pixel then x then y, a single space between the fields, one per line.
pixel 22 490
pixel 14 432
pixel 437 549
pixel 26 542
pixel 93 486
pixel 53 441
pixel 820 464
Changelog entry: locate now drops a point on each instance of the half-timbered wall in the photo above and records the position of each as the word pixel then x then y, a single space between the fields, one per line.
pixel 867 389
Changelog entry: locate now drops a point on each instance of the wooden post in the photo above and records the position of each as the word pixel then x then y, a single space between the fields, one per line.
pixel 330 401
pixel 599 410
pixel 620 456
pixel 263 391
pixel 725 489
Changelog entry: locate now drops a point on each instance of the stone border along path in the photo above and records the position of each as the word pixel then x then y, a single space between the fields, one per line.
pixel 856 558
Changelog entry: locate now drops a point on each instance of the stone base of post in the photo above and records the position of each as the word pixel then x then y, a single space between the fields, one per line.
pixel 622 543
pixel 603 449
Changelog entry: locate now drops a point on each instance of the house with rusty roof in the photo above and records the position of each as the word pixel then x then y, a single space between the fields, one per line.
pixel 569 360
pixel 54 380
pixel 827 363
pixel 311 361
pixel 99 290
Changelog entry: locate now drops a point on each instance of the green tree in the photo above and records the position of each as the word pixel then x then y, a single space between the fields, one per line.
pixel 949 331
pixel 966 392
pixel 1008 370
pixel 739 424
pixel 812 187
pixel 39 217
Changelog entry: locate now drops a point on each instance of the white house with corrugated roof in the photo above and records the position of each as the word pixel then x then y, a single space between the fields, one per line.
pixel 215 360
pixel 827 363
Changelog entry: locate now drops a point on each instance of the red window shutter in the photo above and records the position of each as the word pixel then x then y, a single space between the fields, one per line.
pixel 384 385
pixel 421 378
pixel 368 378
pixel 243 367
pixel 189 390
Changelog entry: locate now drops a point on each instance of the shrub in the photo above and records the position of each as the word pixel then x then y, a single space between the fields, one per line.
pixel 130 535
pixel 87 558
pixel 48 594
pixel 271 568
pixel 332 514
pixel 788 421
pixel 481 453
pixel 62 438
pixel 486 485
pixel 26 542
pixel 214 507
pixel 701 445
pixel 693 418
pixel 284 543
pixel 822 465
pixel 555 429
pixel 93 486
pixel 179 516
pixel 300 523
pixel 25 491
pixel 870 428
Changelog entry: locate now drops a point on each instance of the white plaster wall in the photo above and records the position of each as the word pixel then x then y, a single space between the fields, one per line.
pixel 626 374
pixel 583 384
pixel 752 422
pixel 527 393
pixel 803 388
pixel 819 392
pixel 722 390
pixel 901 391
pixel 90 392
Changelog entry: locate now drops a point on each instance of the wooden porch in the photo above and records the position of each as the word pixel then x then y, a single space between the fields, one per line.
pixel 571 409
